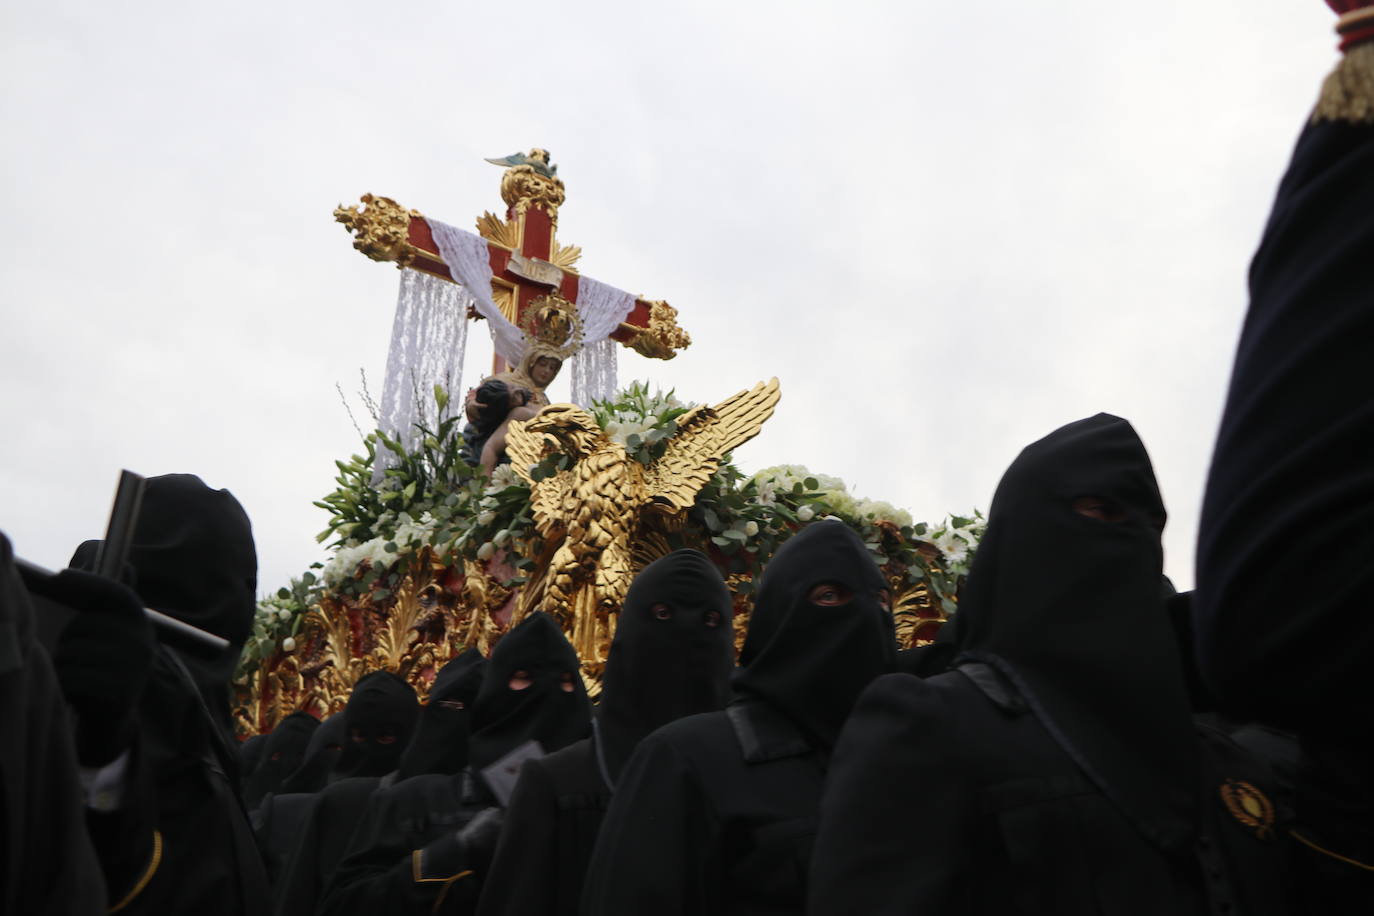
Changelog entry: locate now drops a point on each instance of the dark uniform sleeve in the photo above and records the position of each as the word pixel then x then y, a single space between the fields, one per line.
pixel 522 877
pixel 393 866
pixel 659 847
pixel 894 823
pixel 47 864
pixel 1284 571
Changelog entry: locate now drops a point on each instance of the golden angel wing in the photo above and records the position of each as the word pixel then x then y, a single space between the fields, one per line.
pixel 706 435
pixel 525 449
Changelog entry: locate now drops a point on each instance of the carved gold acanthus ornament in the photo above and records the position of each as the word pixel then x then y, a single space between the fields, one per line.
pixel 662 338
pixel 916 615
pixel 382 229
pixel 522 187
pixel 603 518
pixel 413 632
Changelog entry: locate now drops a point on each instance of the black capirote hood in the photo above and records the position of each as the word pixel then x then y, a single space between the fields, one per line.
pixel 192 557
pixel 321 753
pixel 671 656
pixel 810 661
pixel 440 744
pixel 503 718
pixel 380 719
pixel 281 756
pixel 1070 609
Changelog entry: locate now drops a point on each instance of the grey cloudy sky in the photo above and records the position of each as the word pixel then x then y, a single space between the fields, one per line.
pixel 947 228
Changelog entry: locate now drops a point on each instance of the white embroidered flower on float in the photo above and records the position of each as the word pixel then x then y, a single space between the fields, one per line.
pixel 949 543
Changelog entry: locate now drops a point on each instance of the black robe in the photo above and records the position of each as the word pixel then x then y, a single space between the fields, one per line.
pixel 671 657
pixel 715 813
pixel 278 822
pixel 47 864
pixel 327 825
pixel 1287 528
pixel 929 812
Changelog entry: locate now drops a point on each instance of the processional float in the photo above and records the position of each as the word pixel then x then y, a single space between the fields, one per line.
pixel 585 506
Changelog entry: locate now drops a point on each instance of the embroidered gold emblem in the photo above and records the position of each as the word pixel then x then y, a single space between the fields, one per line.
pixel 1250 806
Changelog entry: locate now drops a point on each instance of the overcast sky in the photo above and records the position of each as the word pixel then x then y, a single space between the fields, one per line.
pixel 946 228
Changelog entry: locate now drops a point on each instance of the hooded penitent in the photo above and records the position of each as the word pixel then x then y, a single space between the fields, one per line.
pixel 672 653
pixel 440 744
pixel 1069 608
pixel 379 720
pixel 193 558
pixel 281 756
pixel 551 707
pixel 810 655
pixel 321 753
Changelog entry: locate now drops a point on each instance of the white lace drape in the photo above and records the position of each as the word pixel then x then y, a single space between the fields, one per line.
pixel 430 333
pixel 466 255
pixel 602 308
pixel 428 339
pixel 594 372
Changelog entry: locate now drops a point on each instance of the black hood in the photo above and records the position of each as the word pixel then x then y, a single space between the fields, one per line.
pixel 672 653
pixel 193 558
pixel 810 661
pixel 321 753
pixel 281 755
pixel 503 718
pixel 440 744
pixel 1069 608
pixel 379 720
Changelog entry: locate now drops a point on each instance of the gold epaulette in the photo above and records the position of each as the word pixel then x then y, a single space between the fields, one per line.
pixel 1348 92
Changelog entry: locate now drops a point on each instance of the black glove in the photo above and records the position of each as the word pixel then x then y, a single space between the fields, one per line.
pixel 102 660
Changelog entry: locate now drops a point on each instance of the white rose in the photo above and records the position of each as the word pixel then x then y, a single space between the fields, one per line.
pixel 501 537
pixel 288 644
pixel 751 528
pixel 284 614
pixel 485 518
pixel 486 550
pixel 805 513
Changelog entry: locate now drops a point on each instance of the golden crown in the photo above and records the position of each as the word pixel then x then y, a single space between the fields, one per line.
pixel 552 327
